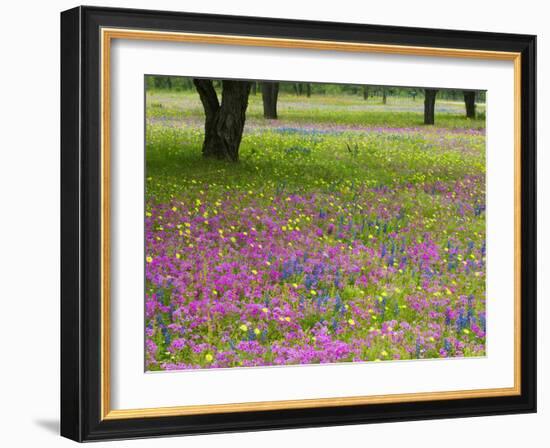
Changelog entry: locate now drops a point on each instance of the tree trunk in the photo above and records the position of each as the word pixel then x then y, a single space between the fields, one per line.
pixel 365 93
pixel 470 102
pixel 429 105
pixel 270 92
pixel 384 97
pixel 254 88
pixel 308 89
pixel 224 123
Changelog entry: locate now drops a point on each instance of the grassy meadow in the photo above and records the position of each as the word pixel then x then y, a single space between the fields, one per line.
pixel 348 231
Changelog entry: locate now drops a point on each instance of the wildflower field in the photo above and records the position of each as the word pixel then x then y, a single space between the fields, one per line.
pixel 347 232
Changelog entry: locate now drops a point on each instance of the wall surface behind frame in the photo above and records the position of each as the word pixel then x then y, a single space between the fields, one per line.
pixel 29 236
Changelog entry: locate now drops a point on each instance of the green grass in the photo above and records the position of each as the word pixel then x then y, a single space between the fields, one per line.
pixel 341 110
pixel 271 159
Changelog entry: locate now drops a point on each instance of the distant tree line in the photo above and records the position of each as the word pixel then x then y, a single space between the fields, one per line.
pixel 179 83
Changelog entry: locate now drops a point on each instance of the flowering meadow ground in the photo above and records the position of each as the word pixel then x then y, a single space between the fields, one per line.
pixel 347 232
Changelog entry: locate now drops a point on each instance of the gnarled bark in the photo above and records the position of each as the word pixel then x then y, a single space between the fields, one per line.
pixel 270 93
pixel 429 105
pixel 470 103
pixel 224 123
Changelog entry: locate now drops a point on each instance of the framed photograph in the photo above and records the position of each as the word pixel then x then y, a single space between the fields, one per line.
pixel 276 224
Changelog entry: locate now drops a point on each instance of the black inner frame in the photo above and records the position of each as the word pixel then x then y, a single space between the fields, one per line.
pixel 81 224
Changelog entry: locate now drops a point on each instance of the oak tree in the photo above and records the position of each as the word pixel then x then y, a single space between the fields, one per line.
pixel 224 121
